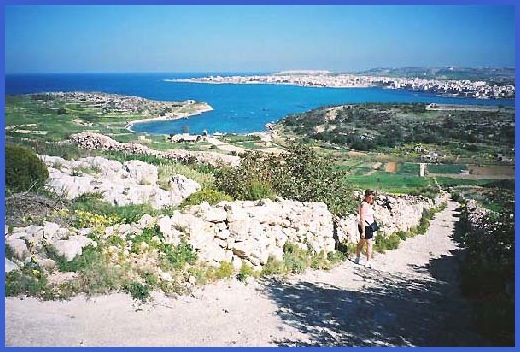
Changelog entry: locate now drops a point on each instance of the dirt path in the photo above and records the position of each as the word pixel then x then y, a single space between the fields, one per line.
pixel 409 298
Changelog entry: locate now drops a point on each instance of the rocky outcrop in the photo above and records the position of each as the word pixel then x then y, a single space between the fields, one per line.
pixel 131 182
pixel 92 140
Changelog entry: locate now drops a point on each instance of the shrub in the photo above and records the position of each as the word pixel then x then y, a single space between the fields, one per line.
pixel 273 266
pixel 259 190
pixel 224 270
pixel 180 255
pixel 137 290
pixel 23 169
pixel 245 272
pixel 301 174
pixel 30 280
pixel 488 270
pixel 295 259
pixel 383 243
pixel 206 195
pixel 88 256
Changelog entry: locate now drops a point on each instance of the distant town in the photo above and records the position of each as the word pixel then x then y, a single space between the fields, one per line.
pixel 447 87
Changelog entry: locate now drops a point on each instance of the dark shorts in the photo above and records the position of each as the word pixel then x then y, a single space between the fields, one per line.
pixel 368 232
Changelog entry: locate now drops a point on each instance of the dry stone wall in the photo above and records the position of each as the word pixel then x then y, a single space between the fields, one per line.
pixel 92 140
pixel 240 232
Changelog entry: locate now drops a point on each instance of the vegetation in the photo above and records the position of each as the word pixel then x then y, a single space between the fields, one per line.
pixel 371 126
pixel 299 257
pixel 320 168
pixel 301 174
pixel 206 195
pixel 391 241
pixel 488 271
pixel 23 169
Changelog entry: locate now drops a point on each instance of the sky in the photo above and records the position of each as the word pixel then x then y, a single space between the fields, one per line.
pixel 263 38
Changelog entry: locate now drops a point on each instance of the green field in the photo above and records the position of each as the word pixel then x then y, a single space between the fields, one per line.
pixel 446 168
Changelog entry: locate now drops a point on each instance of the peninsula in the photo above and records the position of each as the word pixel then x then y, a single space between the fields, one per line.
pixel 134 109
pixel 446 87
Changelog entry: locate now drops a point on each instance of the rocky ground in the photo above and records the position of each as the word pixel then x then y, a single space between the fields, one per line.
pixel 409 298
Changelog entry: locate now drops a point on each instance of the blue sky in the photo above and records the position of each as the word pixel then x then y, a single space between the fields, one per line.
pixel 254 38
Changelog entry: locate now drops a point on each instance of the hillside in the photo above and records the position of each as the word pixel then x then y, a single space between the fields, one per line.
pixel 454 131
pixel 494 75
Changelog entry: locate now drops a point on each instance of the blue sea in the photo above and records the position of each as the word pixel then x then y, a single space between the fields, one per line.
pixel 237 108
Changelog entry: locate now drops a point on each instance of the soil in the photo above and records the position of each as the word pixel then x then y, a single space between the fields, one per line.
pixel 391 166
pixel 409 298
pixel 24 209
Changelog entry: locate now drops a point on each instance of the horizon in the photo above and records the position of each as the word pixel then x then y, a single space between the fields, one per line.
pixel 255 38
pixel 264 72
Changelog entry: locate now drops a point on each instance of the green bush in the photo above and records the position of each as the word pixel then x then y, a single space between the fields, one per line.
pixel 259 190
pixel 301 174
pixel 383 243
pixel 245 272
pixel 206 195
pixel 488 270
pixel 30 280
pixel 224 270
pixel 23 169
pixel 180 255
pixel 273 266
pixel 138 291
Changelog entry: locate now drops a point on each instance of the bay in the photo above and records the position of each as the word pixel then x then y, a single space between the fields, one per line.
pixel 237 108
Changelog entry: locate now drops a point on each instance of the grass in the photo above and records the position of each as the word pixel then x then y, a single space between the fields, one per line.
pixel 389 182
pixel 404 168
pixel 168 169
pixel 446 168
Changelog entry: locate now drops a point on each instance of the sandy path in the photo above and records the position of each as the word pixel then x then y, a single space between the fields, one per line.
pixel 409 298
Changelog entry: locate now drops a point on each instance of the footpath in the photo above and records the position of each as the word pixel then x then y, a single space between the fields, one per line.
pixel 409 298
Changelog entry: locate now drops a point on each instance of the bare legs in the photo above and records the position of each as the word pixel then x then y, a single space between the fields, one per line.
pixel 360 246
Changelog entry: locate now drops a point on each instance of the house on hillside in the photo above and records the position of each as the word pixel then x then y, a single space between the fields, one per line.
pixel 431 157
pixel 185 137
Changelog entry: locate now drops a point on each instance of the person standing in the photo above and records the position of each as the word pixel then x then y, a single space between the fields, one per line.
pixel 366 217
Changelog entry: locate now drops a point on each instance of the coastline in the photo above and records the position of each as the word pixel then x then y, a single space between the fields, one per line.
pixel 196 80
pixel 462 88
pixel 131 124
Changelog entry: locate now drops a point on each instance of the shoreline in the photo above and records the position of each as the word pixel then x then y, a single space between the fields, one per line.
pixel 196 80
pixel 462 88
pixel 130 124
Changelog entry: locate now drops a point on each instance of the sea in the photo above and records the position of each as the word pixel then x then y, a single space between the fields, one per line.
pixel 238 108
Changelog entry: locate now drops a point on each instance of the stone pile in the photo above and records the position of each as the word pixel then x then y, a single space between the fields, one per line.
pixel 92 140
pixel 28 244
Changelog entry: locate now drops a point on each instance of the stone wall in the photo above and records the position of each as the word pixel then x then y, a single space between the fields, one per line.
pixel 92 140
pixel 237 232
pixel 392 213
